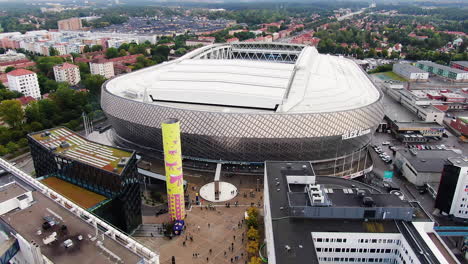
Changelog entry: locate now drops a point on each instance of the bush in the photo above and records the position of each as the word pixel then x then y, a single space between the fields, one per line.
pixel 11 146
pixel 252 220
pixel 252 247
pixel 3 150
pixel 252 234
pixel 255 260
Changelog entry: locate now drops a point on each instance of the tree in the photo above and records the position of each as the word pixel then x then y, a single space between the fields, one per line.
pixel 75 55
pixel 255 260
pixel 252 220
pixel 2 86
pixel 12 113
pixel 93 83
pixel 252 247
pixel 181 51
pixel 252 234
pixel 53 51
pixel 112 53
pixel 9 69
pixel 86 49
pixel 96 48
pixel 46 64
pixel 384 53
pixel 11 146
pixel 84 68
pixel 3 150
pixel 122 53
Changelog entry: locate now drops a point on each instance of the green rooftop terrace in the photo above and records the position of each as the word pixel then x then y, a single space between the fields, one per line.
pixel 67 143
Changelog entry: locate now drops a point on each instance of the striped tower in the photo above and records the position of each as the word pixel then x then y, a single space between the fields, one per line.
pixel 173 164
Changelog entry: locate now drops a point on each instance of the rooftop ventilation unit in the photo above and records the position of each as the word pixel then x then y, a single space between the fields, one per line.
pixel 122 162
pixel 64 144
pixel 368 201
pixel 315 194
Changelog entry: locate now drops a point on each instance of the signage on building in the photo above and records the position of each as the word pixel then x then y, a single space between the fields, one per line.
pixel 355 133
pixel 388 175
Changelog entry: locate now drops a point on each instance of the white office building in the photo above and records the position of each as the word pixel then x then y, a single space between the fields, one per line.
pixel 25 82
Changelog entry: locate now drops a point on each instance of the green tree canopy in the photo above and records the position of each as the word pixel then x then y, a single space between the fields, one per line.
pixel 93 83
pixel 12 113
pixel 112 53
pixel 9 69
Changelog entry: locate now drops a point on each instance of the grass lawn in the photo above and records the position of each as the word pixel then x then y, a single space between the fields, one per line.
pixel 394 76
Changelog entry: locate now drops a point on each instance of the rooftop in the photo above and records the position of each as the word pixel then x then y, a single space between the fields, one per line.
pixel 29 220
pixel 443 67
pixel 428 160
pixel 74 193
pixel 65 142
pixel 408 67
pixel 66 65
pixel 462 63
pixel 20 72
pixel 312 83
pixel 296 232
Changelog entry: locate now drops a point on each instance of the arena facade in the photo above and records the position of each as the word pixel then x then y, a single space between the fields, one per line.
pixel 245 103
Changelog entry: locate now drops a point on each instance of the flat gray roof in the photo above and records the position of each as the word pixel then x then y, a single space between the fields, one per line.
pixel 28 221
pixel 395 111
pixel 408 67
pixel 443 67
pixel 428 160
pixel 462 63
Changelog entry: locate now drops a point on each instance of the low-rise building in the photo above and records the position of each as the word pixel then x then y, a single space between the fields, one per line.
pixel 410 72
pixel 73 23
pixel 462 65
pixel 67 72
pixel 25 82
pixel 318 220
pixel 195 42
pixel 460 124
pixel 452 195
pixel 12 55
pixel 422 166
pixel 19 64
pixel 452 74
pixel 102 67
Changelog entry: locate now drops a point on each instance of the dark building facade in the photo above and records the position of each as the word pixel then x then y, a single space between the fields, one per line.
pixel 123 206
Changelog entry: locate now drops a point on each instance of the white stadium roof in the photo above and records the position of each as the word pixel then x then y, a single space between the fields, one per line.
pixel 315 83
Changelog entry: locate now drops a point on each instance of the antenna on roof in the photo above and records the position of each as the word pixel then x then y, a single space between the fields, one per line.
pixel 88 125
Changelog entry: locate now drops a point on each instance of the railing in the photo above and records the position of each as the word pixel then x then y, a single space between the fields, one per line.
pixel 149 256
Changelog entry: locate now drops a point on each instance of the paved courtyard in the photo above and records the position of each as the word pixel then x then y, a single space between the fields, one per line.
pixel 216 229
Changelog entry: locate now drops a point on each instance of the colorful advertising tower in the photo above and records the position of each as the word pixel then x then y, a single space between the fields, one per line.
pixel 173 163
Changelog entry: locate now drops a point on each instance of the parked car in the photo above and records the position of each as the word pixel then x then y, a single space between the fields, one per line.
pixel 385 143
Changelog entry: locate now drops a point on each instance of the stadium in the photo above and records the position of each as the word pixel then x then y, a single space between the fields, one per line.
pixel 245 103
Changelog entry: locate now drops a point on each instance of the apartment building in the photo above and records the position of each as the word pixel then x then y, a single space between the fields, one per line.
pixel 73 23
pixel 24 81
pixel 67 72
pixel 102 67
